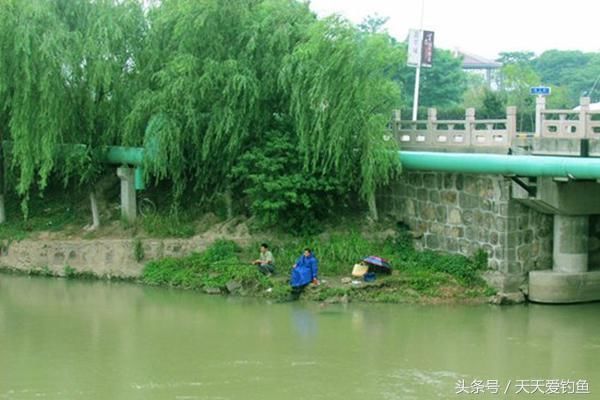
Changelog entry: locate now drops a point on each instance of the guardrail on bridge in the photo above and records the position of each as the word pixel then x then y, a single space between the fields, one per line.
pixel 470 134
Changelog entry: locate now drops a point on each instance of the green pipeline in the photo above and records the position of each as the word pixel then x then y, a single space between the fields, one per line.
pixel 126 155
pixel 123 155
pixel 116 155
pixel 568 167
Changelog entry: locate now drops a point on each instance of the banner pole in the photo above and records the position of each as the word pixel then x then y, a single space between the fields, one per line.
pixel 418 72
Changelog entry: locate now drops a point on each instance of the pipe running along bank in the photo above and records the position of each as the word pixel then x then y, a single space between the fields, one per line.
pixel 568 167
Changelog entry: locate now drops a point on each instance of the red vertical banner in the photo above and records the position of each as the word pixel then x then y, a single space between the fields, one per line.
pixel 427 49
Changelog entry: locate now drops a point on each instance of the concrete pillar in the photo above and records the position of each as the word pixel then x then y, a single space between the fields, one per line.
pixel 540 105
pixel 431 133
pixel 128 200
pixel 511 123
pixel 469 125
pixel 584 109
pixel 571 236
pixel 431 118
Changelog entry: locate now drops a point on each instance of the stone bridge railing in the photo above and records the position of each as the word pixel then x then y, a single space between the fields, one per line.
pixel 558 132
pixel 567 132
pixel 571 124
pixel 470 134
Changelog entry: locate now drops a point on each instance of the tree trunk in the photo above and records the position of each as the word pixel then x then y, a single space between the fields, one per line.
pixel 228 202
pixel 373 207
pixel 95 213
pixel 2 212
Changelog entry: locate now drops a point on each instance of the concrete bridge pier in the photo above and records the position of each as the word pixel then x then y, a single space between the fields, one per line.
pixel 569 281
pixel 570 250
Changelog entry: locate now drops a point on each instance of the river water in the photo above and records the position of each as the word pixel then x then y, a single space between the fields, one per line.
pixel 64 339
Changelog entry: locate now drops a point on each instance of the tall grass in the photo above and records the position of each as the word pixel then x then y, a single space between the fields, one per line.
pixel 54 212
pixel 213 268
pixel 337 253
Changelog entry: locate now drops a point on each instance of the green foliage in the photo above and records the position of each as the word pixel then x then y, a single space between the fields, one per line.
pixel 426 281
pixel 53 212
pixel 221 250
pixel 442 85
pixel 570 74
pixel 265 79
pixel 465 270
pixel 213 268
pixel 66 76
pixel 169 225
pixel 138 250
pixel 280 191
pixel 462 268
pixel 69 272
pixel 373 24
pixel 493 105
pixel 517 80
pixel 43 271
pixel 337 253
pixel 577 71
pixel 341 99
pixel 205 99
pixel 265 70
pixel 516 57
pixel 480 259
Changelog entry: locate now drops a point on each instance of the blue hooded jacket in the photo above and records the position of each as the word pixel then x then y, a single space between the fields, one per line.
pixel 306 270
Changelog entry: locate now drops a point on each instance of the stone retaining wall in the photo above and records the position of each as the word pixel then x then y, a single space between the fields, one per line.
pixel 461 213
pixel 102 257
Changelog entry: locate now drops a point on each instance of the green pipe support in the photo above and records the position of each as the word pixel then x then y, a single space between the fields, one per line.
pixel 123 155
pixel 473 163
pixel 139 179
pixel 127 155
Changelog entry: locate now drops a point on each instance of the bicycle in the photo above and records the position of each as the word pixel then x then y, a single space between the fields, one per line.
pixel 145 206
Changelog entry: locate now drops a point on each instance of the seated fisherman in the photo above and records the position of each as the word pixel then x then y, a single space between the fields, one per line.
pixel 304 271
pixel 265 262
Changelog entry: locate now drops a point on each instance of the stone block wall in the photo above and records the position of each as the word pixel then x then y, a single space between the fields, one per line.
pixel 102 257
pixel 461 213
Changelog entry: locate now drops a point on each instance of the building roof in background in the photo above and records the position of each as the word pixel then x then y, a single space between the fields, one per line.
pixel 593 107
pixel 472 61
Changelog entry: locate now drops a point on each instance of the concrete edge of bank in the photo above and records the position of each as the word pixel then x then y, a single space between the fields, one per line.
pixel 118 258
pixel 564 287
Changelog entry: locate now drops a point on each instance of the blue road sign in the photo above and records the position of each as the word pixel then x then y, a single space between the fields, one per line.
pixel 540 90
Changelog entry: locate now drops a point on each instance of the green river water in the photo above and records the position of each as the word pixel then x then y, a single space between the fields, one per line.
pixel 64 339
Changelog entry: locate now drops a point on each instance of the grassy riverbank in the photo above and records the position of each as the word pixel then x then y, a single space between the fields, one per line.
pixel 224 268
pixel 418 276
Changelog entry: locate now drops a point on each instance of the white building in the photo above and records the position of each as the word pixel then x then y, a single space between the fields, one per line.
pixel 482 66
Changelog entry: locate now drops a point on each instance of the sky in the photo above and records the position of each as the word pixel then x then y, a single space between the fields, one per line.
pixel 484 27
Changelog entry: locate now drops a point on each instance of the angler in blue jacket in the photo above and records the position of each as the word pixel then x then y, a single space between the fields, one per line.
pixel 305 270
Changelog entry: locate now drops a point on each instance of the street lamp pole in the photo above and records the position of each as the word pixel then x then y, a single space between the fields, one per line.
pixel 418 73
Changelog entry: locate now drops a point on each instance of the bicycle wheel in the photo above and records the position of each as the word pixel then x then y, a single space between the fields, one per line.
pixel 146 207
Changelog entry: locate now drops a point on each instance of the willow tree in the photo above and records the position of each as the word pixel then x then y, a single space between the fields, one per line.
pixel 211 69
pixel 342 95
pixel 229 83
pixel 67 70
